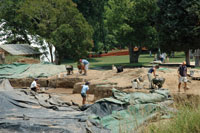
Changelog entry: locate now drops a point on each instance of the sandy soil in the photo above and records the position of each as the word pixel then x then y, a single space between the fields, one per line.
pixel 65 94
pixel 124 79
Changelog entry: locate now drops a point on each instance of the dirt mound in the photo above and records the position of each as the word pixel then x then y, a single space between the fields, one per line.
pixel 29 61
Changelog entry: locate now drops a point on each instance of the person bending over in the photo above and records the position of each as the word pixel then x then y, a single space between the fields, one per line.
pixel 35 86
pixel 85 63
pixel 151 71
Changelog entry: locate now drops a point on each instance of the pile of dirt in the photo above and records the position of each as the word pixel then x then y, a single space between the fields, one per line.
pixel 29 61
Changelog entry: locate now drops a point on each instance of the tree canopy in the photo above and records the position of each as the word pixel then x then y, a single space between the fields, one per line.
pixel 14 31
pixel 178 23
pixel 130 21
pixel 58 22
pixel 93 11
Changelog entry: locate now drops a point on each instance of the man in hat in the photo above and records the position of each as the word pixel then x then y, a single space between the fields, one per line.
pixel 182 75
pixel 34 86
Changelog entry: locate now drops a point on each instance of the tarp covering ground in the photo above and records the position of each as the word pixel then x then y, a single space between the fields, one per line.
pixel 18 70
pixel 27 111
pixel 125 112
pixel 23 111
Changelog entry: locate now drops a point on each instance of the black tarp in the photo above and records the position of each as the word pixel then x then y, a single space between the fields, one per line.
pixel 26 111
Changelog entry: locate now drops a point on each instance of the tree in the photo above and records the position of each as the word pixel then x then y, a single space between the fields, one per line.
pixel 12 28
pixel 60 24
pixel 178 23
pixel 13 31
pixel 93 11
pixel 130 21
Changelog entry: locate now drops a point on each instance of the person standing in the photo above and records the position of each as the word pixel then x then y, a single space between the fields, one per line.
pixel 85 63
pixel 182 75
pixel 151 71
pixel 35 86
pixel 84 90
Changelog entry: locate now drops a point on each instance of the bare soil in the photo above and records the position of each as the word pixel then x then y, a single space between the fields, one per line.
pixel 123 80
pixel 28 61
pixel 66 94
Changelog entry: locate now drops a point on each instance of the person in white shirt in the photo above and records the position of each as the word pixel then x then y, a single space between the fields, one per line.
pixel 34 86
pixel 84 90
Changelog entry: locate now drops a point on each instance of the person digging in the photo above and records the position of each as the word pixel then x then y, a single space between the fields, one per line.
pixel 84 63
pixel 182 75
pixel 80 67
pixel 151 71
pixel 84 90
pixel 35 86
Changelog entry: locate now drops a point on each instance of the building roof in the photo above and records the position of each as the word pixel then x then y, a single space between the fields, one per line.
pixel 19 49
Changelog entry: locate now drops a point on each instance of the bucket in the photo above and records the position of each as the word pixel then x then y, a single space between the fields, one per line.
pixel 134 85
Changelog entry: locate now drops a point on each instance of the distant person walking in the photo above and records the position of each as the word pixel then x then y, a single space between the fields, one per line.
pixel 84 90
pixel 85 63
pixel 151 71
pixel 182 75
pixel 35 86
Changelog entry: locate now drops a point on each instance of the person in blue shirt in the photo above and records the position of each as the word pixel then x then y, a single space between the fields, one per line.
pixel 85 63
pixel 84 90
pixel 151 71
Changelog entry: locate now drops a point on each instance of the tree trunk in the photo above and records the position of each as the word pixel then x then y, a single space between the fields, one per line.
pixel 197 57
pixel 51 52
pixel 134 56
pixel 197 62
pixel 131 59
pixel 57 58
pixel 187 57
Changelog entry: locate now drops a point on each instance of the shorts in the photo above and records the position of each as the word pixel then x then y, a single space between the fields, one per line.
pixel 83 95
pixel 149 75
pixel 34 89
pixel 182 79
pixel 86 66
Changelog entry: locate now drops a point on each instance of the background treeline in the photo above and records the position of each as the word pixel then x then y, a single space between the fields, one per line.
pixel 80 26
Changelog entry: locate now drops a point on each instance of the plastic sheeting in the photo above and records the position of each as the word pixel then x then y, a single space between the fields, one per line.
pixel 126 112
pixel 18 70
pixel 5 85
pixel 27 111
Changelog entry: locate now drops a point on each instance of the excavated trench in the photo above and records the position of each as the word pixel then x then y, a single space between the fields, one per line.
pixel 99 90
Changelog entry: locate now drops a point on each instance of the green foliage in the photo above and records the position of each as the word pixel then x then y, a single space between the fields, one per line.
pixel 59 23
pixel 9 59
pixel 93 11
pixel 178 24
pixel 108 61
pixel 13 30
pixel 186 121
pixel 130 21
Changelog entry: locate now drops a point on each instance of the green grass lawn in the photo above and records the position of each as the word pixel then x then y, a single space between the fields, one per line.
pixel 108 61
pixel 11 59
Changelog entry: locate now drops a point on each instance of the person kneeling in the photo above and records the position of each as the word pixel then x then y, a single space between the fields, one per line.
pixel 84 90
pixel 34 86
